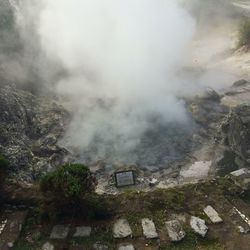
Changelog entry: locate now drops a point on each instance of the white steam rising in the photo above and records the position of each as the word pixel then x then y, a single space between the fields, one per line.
pixel 121 59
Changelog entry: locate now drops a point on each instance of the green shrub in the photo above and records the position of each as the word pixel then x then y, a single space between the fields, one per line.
pixel 66 188
pixel 244 33
pixel 72 181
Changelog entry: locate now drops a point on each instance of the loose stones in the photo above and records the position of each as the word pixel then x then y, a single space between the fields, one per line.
pixel 198 225
pixel 175 231
pixel 212 214
pixel 121 229
pixel 149 229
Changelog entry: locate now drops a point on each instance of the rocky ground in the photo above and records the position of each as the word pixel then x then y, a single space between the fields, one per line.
pixel 30 128
pixel 219 143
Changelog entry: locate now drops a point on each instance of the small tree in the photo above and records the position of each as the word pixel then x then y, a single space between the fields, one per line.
pixel 66 188
pixel 244 33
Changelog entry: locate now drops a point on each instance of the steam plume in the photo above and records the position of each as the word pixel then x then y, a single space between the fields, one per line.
pixel 121 59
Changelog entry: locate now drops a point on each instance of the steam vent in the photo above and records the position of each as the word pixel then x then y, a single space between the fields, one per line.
pixel 124 125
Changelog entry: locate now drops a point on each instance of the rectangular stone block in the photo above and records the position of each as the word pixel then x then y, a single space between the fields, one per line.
pixel 59 232
pixel 212 214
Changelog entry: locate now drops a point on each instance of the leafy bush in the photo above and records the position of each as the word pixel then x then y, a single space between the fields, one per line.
pixel 66 188
pixel 71 182
pixel 244 33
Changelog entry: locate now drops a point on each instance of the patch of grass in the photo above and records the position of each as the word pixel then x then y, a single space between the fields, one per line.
pixel 33 236
pixel 23 246
pixel 134 221
pixel 104 237
pixel 160 218
pixel 166 199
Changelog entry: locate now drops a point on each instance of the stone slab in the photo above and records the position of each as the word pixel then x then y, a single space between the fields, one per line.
pixel 198 225
pixel 59 232
pixel 175 231
pixel 126 247
pixel 121 229
pixel 149 229
pixel 48 246
pixel 99 246
pixel 212 214
pixel 240 172
pixel 82 231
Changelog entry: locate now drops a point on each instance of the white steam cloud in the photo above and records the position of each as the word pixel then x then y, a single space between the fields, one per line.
pixel 121 59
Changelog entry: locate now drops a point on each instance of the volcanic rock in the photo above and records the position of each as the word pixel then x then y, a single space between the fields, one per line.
pixel 236 131
pixel 30 127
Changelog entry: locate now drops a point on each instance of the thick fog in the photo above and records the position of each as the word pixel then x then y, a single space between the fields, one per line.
pixel 116 64
pixel 121 59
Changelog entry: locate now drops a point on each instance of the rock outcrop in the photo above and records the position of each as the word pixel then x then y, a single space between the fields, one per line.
pixel 236 130
pixel 30 128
